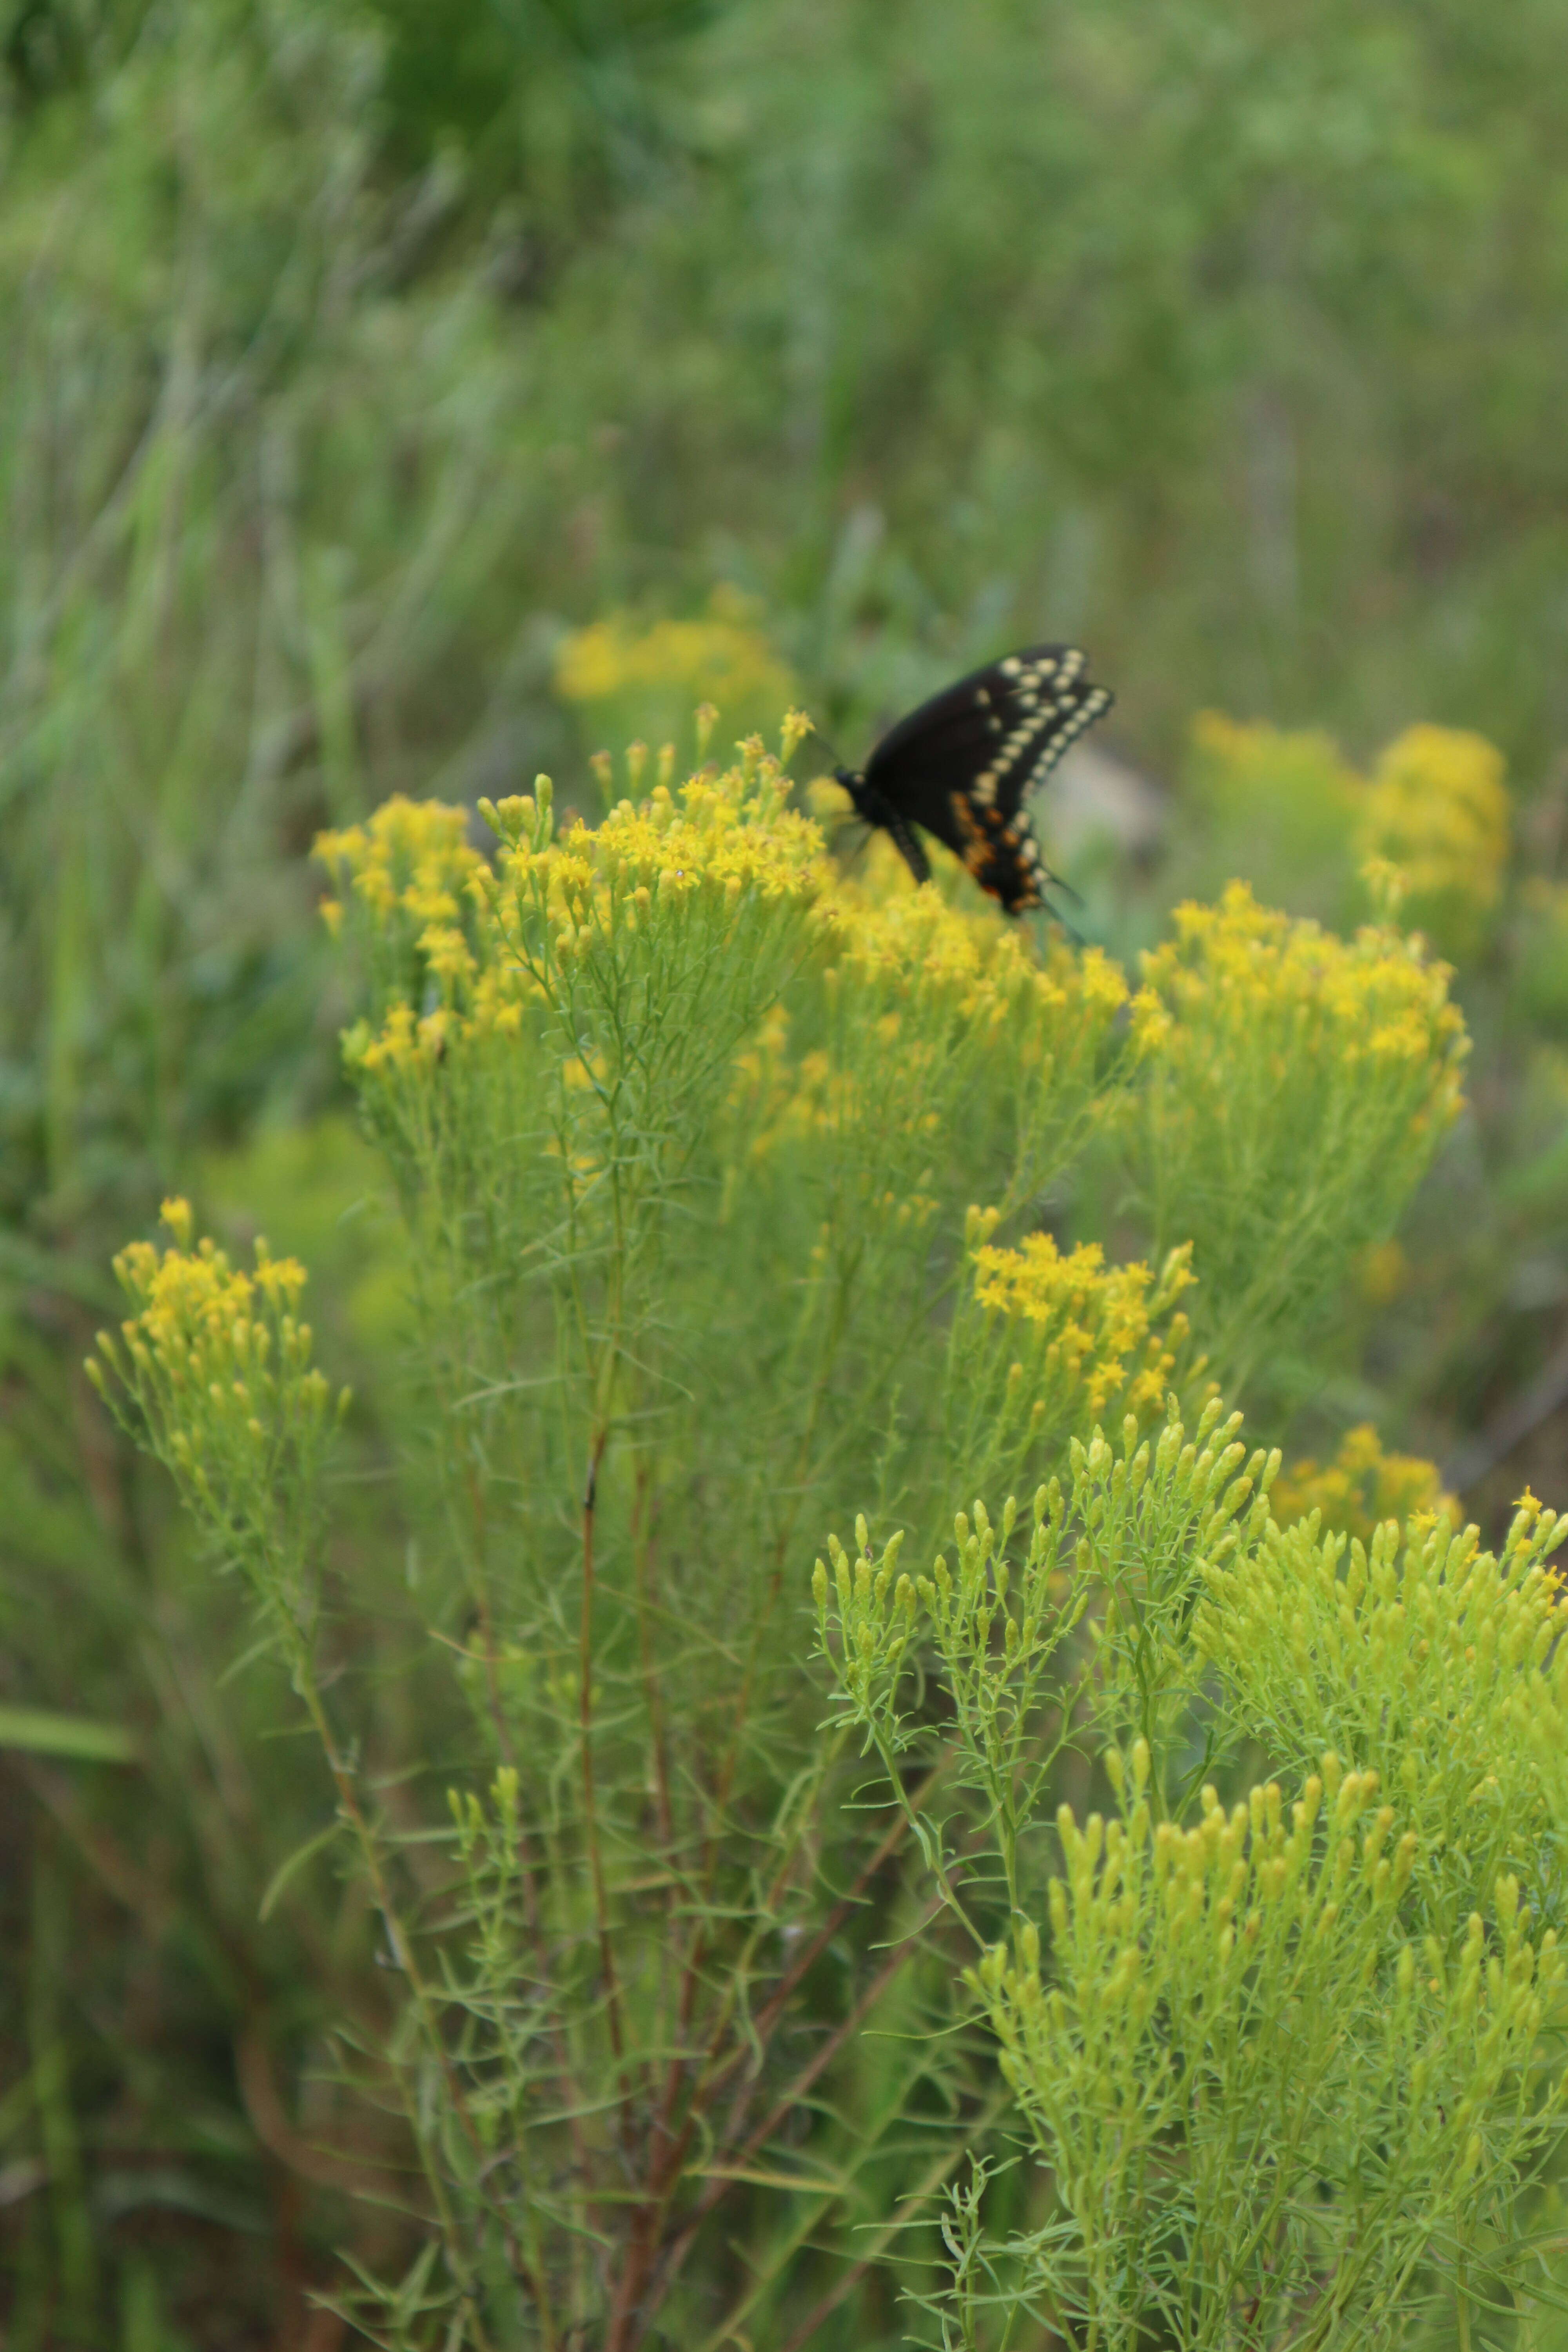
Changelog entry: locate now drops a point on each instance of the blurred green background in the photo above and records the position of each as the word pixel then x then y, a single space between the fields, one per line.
pixel 351 357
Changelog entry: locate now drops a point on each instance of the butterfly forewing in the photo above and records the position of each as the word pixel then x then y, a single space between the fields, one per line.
pixel 961 765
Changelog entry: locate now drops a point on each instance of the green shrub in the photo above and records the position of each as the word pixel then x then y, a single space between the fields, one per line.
pixel 355 355
pixel 1285 2066
pixel 729 1188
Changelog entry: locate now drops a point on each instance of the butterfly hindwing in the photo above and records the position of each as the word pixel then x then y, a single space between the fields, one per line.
pixel 961 764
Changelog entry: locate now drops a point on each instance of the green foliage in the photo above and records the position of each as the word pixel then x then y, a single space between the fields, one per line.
pixel 214 562
pixel 1253 2101
pixel 689 1134
pixel 215 1356
pixel 1431 1670
pixel 358 361
pixel 1280 807
pixel 1298 1087
pixel 560 99
pixel 1279 2074
pixel 1112 1560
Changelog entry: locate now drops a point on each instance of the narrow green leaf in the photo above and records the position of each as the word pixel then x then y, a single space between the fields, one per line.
pixel 44 1733
pixel 296 1861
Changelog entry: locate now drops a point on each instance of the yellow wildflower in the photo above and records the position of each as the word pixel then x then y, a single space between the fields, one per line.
pixel 1437 810
pixel 212 1369
pixel 1091 1325
pixel 408 882
pixel 497 1002
pixel 1242 989
pixel 491 944
pixel 973 960
pixel 733 828
pixel 1360 1487
pixel 724 658
pixel 197 1332
pixel 1297 1085
pixel 413 853
pixel 446 951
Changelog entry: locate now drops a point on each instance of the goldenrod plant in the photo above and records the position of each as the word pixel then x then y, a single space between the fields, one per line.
pixel 1360 1487
pixel 1296 1085
pixel 1280 806
pixel 1434 818
pixel 1436 809
pixel 732 1187
pixel 359 355
pixel 1285 2069
pixel 1436 1662
pixel 627 678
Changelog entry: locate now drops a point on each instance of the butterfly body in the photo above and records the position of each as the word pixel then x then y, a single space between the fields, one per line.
pixel 959 768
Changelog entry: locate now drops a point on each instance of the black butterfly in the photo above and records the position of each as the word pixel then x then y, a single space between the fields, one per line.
pixel 961 765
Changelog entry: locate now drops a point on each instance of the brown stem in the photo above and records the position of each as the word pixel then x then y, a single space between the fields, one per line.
pixel 481 1591
pixel 269 2119
pixel 673 2146
pixel 761 2133
pixel 662 2185
pixel 768 2015
pixel 662 2276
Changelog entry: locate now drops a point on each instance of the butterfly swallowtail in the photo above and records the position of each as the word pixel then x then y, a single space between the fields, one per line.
pixel 959 767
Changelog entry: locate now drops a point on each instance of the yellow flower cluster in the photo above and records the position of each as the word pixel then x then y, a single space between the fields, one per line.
pixel 723 658
pixel 1093 1324
pixel 488 944
pixel 912 1015
pixel 213 1350
pixel 972 961
pixel 410 886
pixel 194 1307
pixel 814 1098
pixel 733 830
pixel 411 857
pixel 404 1042
pixel 1360 1487
pixel 811 1096
pixel 722 850
pixel 1437 810
pixel 1428 831
pixel 1240 984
